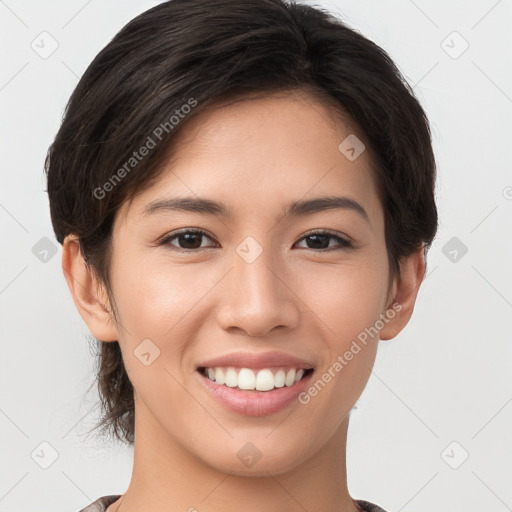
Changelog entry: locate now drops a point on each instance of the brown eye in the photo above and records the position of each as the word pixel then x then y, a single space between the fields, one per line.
pixel 319 240
pixel 187 239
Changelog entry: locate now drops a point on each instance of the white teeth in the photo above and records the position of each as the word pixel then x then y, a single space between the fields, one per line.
pixel 231 378
pixel 246 379
pixel 220 377
pixel 290 377
pixel 279 379
pixel 260 380
pixel 264 380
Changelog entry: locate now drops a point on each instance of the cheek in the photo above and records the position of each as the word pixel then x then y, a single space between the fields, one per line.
pixel 162 303
pixel 347 297
pixel 156 305
pixel 152 299
pixel 346 302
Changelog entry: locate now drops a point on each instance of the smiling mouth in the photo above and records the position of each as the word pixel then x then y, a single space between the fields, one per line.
pixel 261 380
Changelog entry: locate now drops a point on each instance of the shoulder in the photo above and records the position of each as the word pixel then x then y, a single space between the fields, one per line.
pixel 101 504
pixel 369 507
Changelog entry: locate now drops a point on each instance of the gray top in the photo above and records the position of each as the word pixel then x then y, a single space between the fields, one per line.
pixel 101 504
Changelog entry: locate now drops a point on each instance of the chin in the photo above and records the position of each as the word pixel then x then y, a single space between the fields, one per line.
pixel 253 459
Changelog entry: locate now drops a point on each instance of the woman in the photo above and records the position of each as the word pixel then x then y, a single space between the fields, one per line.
pixel 244 192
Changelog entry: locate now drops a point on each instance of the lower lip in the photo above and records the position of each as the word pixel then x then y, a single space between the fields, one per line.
pixel 255 403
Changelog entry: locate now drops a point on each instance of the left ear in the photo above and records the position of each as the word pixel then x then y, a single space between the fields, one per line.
pixel 406 287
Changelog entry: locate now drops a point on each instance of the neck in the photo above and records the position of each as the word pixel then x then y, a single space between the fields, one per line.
pixel 167 477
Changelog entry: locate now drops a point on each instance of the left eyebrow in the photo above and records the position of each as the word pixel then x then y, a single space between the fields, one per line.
pixel 293 209
pixel 310 206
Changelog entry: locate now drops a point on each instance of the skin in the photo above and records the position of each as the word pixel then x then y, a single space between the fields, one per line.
pixel 254 156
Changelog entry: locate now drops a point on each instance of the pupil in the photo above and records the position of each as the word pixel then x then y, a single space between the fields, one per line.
pixel 188 236
pixel 323 237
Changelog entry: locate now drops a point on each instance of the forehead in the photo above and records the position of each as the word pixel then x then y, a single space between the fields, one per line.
pixel 258 154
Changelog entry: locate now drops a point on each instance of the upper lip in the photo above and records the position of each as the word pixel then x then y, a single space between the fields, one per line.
pixel 257 360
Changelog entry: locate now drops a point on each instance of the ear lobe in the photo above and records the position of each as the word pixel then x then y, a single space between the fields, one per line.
pixel 412 271
pixel 88 295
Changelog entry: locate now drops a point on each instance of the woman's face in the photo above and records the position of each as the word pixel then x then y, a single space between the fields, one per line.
pixel 255 283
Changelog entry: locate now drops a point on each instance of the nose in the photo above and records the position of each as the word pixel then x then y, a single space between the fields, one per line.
pixel 258 296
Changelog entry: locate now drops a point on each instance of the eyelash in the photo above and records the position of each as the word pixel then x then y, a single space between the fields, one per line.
pixel 343 242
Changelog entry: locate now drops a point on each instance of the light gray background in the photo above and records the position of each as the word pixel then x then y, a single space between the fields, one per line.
pixel 446 378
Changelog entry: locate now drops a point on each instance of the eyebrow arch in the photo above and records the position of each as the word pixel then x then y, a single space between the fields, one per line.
pixel 293 209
